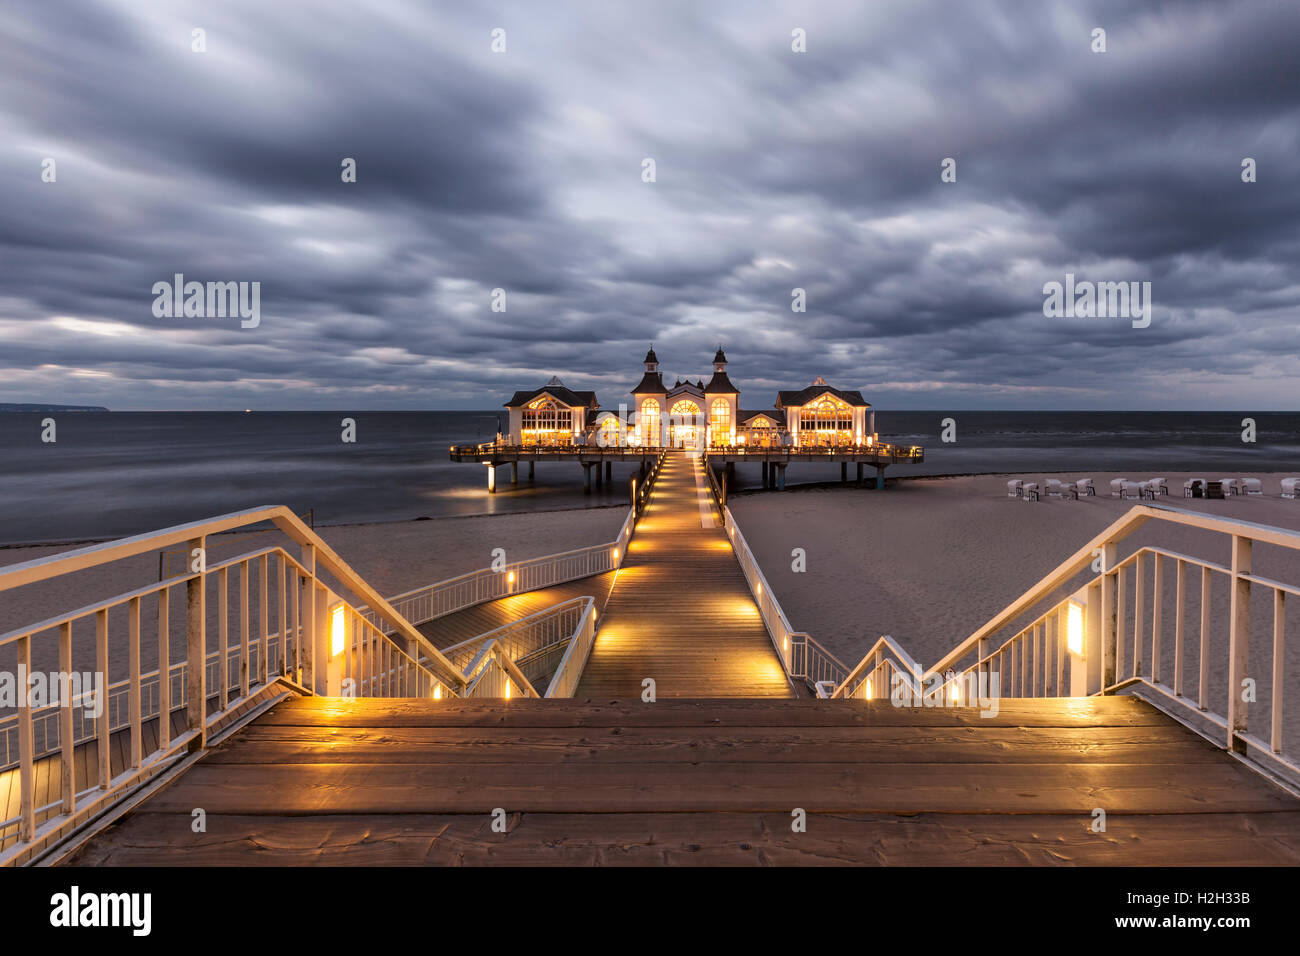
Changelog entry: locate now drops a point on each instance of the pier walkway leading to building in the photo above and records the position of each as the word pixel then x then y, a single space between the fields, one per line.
pixel 680 611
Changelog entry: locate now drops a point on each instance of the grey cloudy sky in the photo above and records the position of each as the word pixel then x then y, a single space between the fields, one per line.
pixel 775 170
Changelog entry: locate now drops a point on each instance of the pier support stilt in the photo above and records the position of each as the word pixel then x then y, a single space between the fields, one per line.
pixel 859 474
pixel 609 471
pixel 765 476
pixel 844 471
pixel 514 473
pixel 492 479
pixel 600 475
pixel 586 478
pixel 531 466
pixel 731 473
pixel 880 477
pixel 780 476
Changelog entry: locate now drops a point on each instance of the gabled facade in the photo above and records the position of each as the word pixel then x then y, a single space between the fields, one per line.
pixel 551 415
pixel 692 415
pixel 819 415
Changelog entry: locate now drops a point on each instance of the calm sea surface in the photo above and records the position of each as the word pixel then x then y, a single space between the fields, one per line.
pixel 119 473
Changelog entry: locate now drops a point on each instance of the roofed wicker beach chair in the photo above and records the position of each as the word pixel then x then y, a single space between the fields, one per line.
pixel 1085 487
pixel 1291 487
pixel 1215 489
pixel 1029 491
pixel 1194 488
pixel 1070 489
pixel 1158 485
pixel 1253 486
pixel 1052 487
pixel 1014 487
pixel 1131 489
pixel 1231 486
pixel 1117 487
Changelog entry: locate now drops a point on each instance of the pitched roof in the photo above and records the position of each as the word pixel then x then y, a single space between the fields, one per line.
pixel 720 383
pixel 720 357
pixel 651 357
pixel 804 395
pixel 777 415
pixel 651 382
pixel 561 394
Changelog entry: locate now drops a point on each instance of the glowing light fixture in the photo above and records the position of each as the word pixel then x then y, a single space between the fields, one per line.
pixel 1074 628
pixel 616 554
pixel 338 630
pixel 510 577
pixel 437 692
pixel 507 688
pixel 866 690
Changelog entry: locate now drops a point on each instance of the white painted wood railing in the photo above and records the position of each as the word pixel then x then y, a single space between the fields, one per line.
pixel 1153 622
pixel 321 641
pixel 802 657
pixel 879 673
pixel 432 601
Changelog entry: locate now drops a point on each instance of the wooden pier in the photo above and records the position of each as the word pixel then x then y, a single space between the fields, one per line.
pixel 598 461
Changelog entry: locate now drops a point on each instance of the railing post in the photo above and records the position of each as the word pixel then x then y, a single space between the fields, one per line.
pixel 1088 677
pixel 307 616
pixel 1107 621
pixel 26 745
pixel 1238 640
pixel 196 661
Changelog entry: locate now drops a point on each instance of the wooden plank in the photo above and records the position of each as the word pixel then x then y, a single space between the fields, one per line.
pixel 682 613
pixel 677 787
pixel 1089 712
pixel 276 745
pixel 731 839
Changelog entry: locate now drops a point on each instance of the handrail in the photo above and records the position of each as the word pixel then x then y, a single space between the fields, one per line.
pixel 1096 639
pixel 440 598
pixel 43 569
pixel 1117 531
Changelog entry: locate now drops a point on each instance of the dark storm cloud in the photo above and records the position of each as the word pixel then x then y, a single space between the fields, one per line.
pixel 775 170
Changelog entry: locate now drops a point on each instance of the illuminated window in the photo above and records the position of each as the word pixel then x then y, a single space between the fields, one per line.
pixel 648 426
pixel 547 422
pixel 827 421
pixel 608 437
pixel 720 421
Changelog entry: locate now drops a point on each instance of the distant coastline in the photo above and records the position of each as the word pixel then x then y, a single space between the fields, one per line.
pixel 17 407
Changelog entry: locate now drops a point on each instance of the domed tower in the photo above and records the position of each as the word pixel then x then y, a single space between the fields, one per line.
pixel 724 403
pixel 648 398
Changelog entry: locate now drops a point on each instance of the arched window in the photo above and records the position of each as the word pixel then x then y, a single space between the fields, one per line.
pixel 720 421
pixel 649 423
pixel 608 436
pixel 686 409
pixel 547 422
pixel 827 421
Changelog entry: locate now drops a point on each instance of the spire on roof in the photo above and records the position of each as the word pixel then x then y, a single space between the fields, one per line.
pixel 819 380
pixel 555 381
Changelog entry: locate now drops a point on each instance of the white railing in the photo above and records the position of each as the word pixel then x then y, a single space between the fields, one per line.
pixel 527 638
pixel 879 672
pixel 432 601
pixel 1154 622
pixel 271 583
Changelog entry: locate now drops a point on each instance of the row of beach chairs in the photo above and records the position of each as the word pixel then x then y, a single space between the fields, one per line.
pixel 1151 488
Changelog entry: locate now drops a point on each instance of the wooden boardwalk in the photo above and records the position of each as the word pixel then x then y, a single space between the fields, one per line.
pixel 328 781
pixel 681 612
